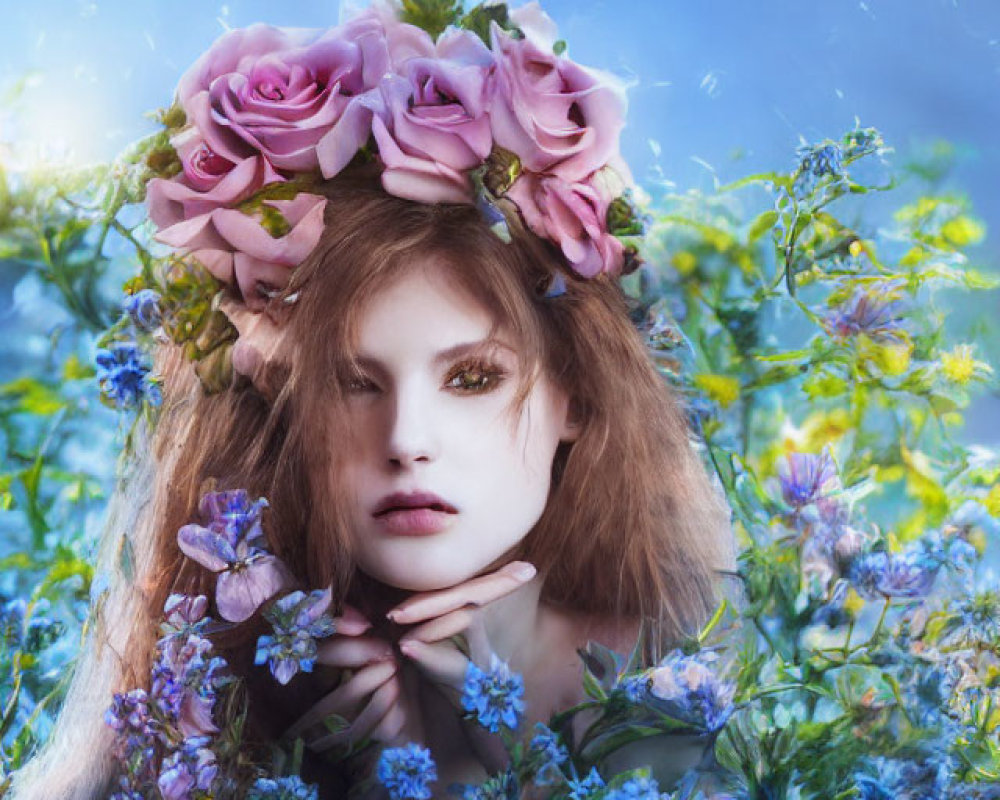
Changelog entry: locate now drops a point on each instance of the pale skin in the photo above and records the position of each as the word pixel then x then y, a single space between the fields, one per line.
pixel 421 426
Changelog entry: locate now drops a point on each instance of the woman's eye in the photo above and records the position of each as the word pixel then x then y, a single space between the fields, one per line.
pixel 475 378
pixel 358 383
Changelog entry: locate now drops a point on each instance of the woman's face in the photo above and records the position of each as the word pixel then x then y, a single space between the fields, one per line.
pixel 429 413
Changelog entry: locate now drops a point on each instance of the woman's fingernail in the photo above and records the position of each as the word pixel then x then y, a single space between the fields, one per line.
pixel 525 572
pixel 409 646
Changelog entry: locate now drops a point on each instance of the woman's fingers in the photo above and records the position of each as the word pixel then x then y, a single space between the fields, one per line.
pixel 476 592
pixel 345 697
pixel 352 622
pixel 442 662
pixel 435 630
pixel 391 725
pixel 353 651
pixel 381 702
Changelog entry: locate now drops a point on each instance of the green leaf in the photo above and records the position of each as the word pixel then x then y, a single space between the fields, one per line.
pixel 431 15
pixel 762 225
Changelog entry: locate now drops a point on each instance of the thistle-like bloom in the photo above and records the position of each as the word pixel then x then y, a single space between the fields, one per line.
pixel 232 544
pixel 807 478
pixel 636 789
pixel 586 788
pixel 290 788
pixel 687 689
pixel 545 746
pixel 493 697
pixel 123 375
pixel 298 620
pixel 189 772
pixel 880 574
pixel 144 309
pixel 867 312
pixel 407 772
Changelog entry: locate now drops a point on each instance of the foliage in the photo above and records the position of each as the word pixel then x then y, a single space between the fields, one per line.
pixel 858 657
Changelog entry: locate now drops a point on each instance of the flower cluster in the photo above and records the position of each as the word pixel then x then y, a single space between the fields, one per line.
pixel 123 373
pixel 454 118
pixel 167 738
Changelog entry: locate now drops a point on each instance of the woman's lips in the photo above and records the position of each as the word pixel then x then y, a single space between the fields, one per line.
pixel 421 521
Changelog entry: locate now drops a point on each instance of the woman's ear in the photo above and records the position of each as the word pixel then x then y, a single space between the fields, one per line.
pixel 573 423
pixel 261 343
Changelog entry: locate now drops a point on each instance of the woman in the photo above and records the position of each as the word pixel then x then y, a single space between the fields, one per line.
pixel 413 350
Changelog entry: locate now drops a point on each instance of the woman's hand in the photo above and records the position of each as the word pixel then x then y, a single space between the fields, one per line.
pixel 451 631
pixel 367 699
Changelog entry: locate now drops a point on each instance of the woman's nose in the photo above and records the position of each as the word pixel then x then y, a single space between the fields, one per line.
pixel 412 434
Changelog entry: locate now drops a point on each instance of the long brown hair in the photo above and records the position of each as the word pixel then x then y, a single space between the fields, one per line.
pixel 633 527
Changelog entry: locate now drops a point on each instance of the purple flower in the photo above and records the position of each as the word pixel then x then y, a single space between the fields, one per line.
pixel 881 574
pixel 494 696
pixel 250 574
pixel 136 732
pixel 807 477
pixel 184 614
pixel 867 312
pixel 406 772
pixel 188 772
pixel 144 309
pixel 298 620
pixel 185 680
pixel 689 690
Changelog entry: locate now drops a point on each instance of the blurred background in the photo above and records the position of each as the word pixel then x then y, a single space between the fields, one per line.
pixel 719 89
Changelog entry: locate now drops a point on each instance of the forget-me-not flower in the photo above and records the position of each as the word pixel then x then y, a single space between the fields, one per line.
pixel 407 772
pixel 493 697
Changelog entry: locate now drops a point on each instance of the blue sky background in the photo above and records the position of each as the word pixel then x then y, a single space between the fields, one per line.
pixel 722 87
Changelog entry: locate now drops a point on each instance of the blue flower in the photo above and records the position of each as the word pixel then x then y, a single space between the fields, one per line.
pixel 144 309
pixel 816 162
pixel 290 788
pixel 897 779
pixel 634 687
pixel 298 620
pixel 586 788
pixel 880 574
pixel 123 375
pixel 547 748
pixel 807 478
pixel 493 697
pixel 406 772
pixel 498 787
pixel 136 730
pixel 687 689
pixel 639 788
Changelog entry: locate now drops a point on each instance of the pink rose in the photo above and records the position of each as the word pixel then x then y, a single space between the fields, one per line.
pixel 432 127
pixel 279 92
pixel 573 215
pixel 197 213
pixel 557 116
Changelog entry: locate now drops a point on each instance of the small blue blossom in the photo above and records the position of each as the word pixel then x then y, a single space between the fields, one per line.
pixel 498 787
pixel 406 772
pixel 897 779
pixel 123 375
pixel 634 687
pixel 290 788
pixel 686 688
pixel 144 309
pixel 586 788
pixel 546 747
pixel 637 789
pixel 816 162
pixel 493 696
pixel 298 620
pixel 880 574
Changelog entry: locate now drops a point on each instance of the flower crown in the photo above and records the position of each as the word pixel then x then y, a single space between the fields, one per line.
pixel 480 108
pixel 456 109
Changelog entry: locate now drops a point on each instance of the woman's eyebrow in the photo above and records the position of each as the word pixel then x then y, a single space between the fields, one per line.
pixel 456 351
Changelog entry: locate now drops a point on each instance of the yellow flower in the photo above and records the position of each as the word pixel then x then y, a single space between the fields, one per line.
pixel 992 501
pixel 684 262
pixel 960 367
pixel 722 389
